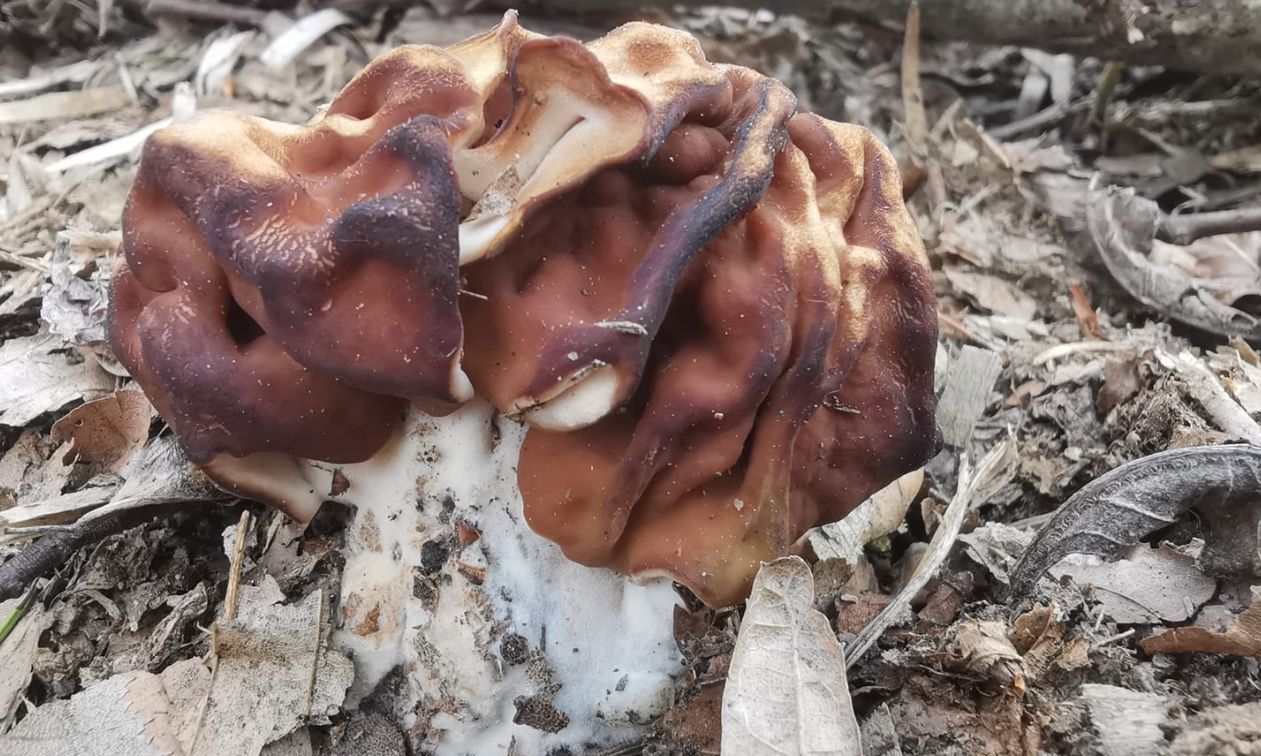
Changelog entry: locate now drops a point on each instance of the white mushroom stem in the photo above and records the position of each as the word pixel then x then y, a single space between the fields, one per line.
pixel 601 647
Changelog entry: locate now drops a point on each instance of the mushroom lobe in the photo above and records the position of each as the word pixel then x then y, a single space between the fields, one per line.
pixel 714 313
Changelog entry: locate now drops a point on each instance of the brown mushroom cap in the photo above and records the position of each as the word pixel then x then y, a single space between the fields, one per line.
pixel 716 312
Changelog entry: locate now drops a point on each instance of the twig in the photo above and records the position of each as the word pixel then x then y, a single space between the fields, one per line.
pixel 1037 121
pixel 1108 81
pixel 234 575
pixel 44 555
pixel 912 92
pixel 17 614
pixel 315 657
pixel 1184 229
pixel 1114 638
pixel 938 550
pixel 1064 350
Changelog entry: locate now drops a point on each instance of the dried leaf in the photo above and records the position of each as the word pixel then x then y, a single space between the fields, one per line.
pixel 992 293
pixel 1147 586
pixel 77 297
pixel 935 554
pixel 1121 382
pixel 36 377
pixel 57 509
pixel 1038 637
pixel 1123 226
pixel 273 674
pixel 17 656
pixel 786 691
pixel 74 72
pixel 183 105
pixel 878 516
pixel 1125 504
pixel 107 431
pixel 1241 638
pixel 304 32
pixel 996 547
pixel 218 60
pixel 985 650
pixel 1087 318
pixel 132 713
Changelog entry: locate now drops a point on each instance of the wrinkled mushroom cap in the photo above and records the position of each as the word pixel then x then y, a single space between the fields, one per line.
pixel 714 313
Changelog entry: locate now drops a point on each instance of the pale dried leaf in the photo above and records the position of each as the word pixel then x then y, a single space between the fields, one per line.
pixel 183 105
pixel 274 673
pixel 1234 729
pixel 128 713
pixel 74 72
pixel 17 656
pixel 57 509
pixel 37 377
pixel 880 514
pixel 992 293
pixel 77 298
pixel 786 690
pixel 218 60
pixel 159 474
pixel 1148 586
pixel 996 546
pixel 305 32
pixel 969 383
pixel 938 549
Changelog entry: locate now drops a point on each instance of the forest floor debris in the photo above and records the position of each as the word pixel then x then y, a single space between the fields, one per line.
pixel 1056 365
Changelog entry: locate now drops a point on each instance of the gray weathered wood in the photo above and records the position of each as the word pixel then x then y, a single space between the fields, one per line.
pixel 968 384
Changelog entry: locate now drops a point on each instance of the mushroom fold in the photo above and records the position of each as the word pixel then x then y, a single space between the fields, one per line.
pixel 713 312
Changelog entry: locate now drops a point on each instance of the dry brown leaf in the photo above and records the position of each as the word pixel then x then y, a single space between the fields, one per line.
pixel 1033 627
pixel 985 650
pixel 1074 655
pixel 107 431
pixel 1241 638
pixel 1121 382
pixel 1038 636
pixel 698 721
pixel 786 690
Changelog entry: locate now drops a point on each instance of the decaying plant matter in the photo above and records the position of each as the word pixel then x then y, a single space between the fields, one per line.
pixel 714 313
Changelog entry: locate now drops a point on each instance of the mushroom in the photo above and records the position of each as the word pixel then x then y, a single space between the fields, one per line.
pixel 711 315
